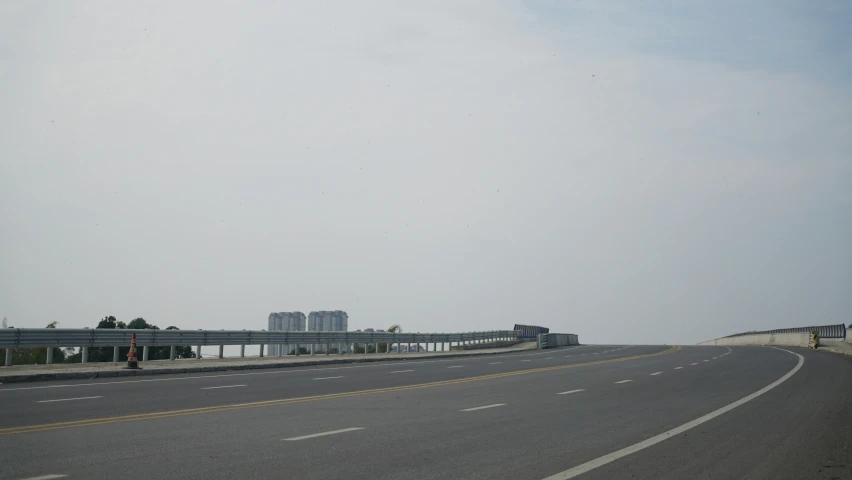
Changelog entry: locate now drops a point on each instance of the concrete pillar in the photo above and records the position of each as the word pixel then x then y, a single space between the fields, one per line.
pixel 172 352
pixel 115 354
pixel 49 358
pixel 221 351
pixel 8 357
pixel 84 358
pixel 198 352
pixel 145 353
pixel 242 351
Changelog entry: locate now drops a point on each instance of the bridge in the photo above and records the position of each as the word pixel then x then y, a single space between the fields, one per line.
pixel 576 411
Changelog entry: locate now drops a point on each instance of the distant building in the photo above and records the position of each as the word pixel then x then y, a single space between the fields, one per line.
pixel 327 321
pixel 285 322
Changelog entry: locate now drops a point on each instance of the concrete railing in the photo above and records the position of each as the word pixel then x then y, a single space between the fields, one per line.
pixel 343 341
pixel 550 340
pixel 780 339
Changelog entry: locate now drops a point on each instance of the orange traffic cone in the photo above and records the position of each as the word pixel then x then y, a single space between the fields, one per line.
pixel 132 363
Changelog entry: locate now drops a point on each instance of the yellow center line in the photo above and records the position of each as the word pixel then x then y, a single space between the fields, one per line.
pixel 288 401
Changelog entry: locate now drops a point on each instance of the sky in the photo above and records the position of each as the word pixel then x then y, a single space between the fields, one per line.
pixel 632 172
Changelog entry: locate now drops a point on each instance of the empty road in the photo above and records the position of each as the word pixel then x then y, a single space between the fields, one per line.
pixel 590 412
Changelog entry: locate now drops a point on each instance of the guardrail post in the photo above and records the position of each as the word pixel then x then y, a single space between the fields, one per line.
pixel 172 352
pixel 49 358
pixel 198 352
pixel 115 354
pixel 221 351
pixel 261 350
pixel 242 351
pixel 297 349
pixel 84 356
pixel 145 353
pixel 9 356
pixel 328 349
pixel 408 349
pixel 313 349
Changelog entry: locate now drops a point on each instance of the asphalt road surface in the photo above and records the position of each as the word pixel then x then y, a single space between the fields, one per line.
pixel 591 412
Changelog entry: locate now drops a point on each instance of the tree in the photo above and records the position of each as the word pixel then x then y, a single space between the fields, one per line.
pixel 107 322
pixel 105 354
pixel 140 324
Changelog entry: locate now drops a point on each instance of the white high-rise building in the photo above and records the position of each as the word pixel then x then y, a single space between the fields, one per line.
pixel 328 321
pixel 285 322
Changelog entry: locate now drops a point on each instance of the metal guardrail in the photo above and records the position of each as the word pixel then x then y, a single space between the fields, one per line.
pixel 825 331
pixel 107 337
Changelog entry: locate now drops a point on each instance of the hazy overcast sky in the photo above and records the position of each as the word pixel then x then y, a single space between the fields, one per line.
pixel 633 172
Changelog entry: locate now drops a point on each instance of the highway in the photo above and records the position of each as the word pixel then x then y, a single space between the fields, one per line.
pixel 589 412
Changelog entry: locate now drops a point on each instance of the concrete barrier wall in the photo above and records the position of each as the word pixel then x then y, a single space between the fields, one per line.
pixel 780 339
pixel 561 339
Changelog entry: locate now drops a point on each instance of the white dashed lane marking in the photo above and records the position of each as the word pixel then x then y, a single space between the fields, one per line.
pixel 68 400
pixel 483 407
pixel 333 432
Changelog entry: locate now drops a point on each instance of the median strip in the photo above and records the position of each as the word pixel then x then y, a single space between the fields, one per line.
pixel 290 401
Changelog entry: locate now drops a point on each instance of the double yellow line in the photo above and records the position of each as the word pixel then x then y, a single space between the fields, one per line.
pixel 289 401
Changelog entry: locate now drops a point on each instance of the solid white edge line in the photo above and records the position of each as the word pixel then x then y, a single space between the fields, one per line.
pixel 67 399
pixel 572 391
pixel 222 386
pixel 328 378
pixel 46 477
pixel 483 407
pixel 611 457
pixel 314 435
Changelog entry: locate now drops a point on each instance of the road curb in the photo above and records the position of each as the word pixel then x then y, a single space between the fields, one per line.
pixel 150 371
